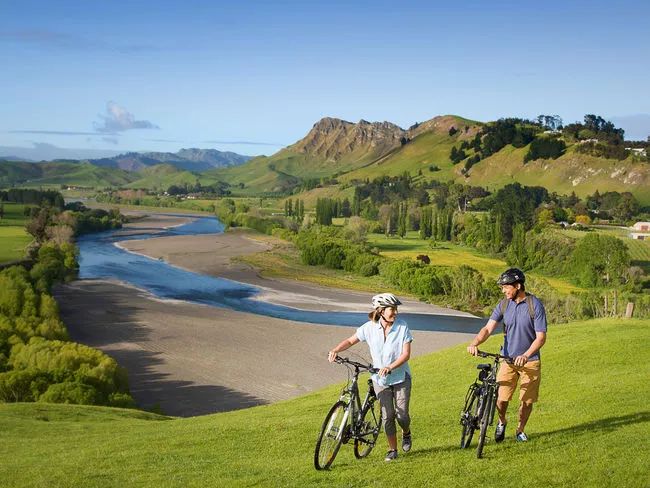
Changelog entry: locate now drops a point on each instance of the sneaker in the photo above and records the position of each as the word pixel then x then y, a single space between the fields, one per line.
pixel 391 455
pixel 521 437
pixel 500 432
pixel 406 442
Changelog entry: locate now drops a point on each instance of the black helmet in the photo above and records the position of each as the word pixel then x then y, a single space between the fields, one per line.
pixel 511 276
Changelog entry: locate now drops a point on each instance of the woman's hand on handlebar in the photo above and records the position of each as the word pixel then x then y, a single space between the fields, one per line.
pixel 384 371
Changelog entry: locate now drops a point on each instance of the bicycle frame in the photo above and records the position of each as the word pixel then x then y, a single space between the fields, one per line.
pixel 484 392
pixel 350 419
pixel 350 395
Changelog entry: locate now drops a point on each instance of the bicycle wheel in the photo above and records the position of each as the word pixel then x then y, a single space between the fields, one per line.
pixel 486 417
pixel 468 417
pixel 370 426
pixel 331 436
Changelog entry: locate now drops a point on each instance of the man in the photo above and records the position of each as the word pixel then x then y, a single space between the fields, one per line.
pixel 524 323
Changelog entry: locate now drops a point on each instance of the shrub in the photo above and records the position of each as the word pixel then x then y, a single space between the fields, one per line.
pixel 70 392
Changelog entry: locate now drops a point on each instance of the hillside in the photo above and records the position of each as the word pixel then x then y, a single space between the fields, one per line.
pixel 162 176
pixel 61 173
pixel 573 171
pixel 192 159
pixel 589 429
pixel 336 148
pixel 355 152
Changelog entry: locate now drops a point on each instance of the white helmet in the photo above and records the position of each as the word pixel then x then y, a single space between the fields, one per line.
pixel 384 300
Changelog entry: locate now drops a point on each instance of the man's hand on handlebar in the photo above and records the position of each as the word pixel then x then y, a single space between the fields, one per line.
pixel 521 360
pixel 473 350
pixel 331 356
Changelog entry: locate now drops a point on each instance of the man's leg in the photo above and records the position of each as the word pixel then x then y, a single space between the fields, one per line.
pixel 502 408
pixel 524 412
pixel 531 377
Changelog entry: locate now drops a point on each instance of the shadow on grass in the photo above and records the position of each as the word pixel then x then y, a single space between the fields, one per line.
pixel 608 424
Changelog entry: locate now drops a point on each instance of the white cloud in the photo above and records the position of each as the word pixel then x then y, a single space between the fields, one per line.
pixel 119 119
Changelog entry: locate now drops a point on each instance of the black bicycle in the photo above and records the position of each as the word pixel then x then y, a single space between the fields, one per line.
pixel 480 402
pixel 350 419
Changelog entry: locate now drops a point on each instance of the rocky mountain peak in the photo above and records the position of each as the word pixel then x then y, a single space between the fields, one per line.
pixel 333 139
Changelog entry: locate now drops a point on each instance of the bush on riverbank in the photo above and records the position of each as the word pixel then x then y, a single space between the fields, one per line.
pixel 37 360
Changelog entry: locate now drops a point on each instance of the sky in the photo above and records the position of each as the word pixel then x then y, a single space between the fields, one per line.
pixel 86 78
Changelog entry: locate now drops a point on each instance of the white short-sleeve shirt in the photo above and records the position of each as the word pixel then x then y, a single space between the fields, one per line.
pixel 384 352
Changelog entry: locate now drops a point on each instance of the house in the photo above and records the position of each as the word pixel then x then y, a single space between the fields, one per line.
pixel 640 236
pixel 641 227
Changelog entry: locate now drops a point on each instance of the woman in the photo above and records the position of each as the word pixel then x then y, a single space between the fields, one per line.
pixel 389 340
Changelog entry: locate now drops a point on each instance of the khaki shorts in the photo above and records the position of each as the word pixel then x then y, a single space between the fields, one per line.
pixel 530 375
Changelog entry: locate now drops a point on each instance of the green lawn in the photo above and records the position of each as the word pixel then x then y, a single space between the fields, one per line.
pixel 13 236
pixel 590 429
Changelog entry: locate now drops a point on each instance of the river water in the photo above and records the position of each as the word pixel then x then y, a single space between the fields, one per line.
pixel 100 258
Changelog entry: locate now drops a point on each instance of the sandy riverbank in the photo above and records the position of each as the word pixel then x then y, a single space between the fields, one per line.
pixel 192 359
pixel 213 254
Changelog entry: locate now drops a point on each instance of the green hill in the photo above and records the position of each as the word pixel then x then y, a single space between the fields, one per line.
pixel 356 152
pixel 589 429
pixel 61 173
pixel 162 176
pixel 572 171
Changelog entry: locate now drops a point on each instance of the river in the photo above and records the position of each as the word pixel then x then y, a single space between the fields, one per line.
pixel 100 258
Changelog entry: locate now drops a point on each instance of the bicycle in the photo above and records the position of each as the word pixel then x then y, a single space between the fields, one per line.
pixel 480 402
pixel 350 419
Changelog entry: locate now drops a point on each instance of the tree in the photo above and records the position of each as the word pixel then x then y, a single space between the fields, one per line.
pixel 600 260
pixel 545 217
pixel 515 204
pixel 324 211
pixel 626 208
pixel 345 208
pixel 386 217
pixel 425 223
pixel 401 222
pixel 356 202
pixel 516 255
pixel 38 224
pixel 356 230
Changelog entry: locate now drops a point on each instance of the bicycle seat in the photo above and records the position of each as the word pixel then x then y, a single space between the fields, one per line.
pixel 484 367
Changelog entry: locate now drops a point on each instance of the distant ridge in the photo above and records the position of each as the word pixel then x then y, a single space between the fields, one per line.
pixel 191 159
pixel 16 158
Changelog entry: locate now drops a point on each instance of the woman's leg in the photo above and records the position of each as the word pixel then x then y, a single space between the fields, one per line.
pixel 402 393
pixel 387 403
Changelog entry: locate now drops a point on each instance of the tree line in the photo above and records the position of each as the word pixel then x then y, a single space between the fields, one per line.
pixel 38 362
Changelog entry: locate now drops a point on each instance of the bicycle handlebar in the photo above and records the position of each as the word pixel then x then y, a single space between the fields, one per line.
pixel 366 367
pixel 484 354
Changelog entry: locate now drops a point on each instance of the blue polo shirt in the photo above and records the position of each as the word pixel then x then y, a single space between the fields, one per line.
pixel 385 352
pixel 520 329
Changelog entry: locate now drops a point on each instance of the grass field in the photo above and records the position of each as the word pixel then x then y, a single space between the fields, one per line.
pixel 590 429
pixel 13 236
pixel 448 254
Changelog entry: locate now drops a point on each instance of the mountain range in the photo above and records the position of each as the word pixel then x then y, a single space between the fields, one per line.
pixel 192 159
pixel 336 154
